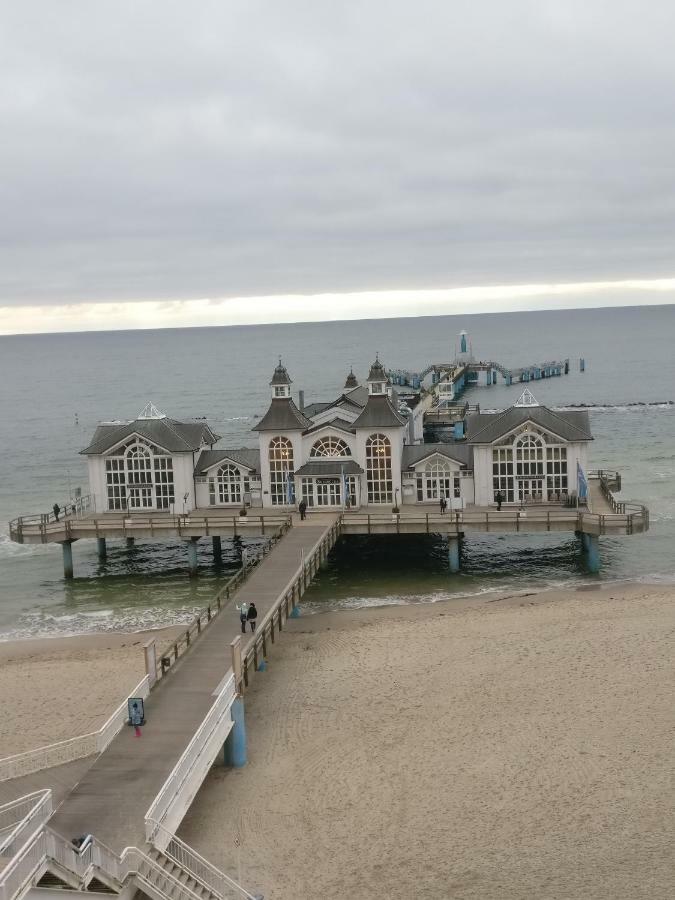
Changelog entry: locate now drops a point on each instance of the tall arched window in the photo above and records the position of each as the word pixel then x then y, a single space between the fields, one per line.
pixel 229 484
pixel 330 446
pixel 529 456
pixel 378 469
pixel 282 489
pixel 140 476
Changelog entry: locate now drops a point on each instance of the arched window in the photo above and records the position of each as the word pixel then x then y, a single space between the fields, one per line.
pixel 330 446
pixel 229 484
pixel 140 476
pixel 529 456
pixel 378 469
pixel 282 489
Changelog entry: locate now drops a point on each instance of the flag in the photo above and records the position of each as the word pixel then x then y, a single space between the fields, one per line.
pixel 290 493
pixel 583 484
pixel 345 492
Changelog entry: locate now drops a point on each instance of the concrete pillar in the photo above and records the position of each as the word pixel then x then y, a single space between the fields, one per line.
pixel 67 547
pixel 591 550
pixel 130 542
pixel 234 751
pixel 217 551
pixel 453 553
pixel 192 555
pixel 102 549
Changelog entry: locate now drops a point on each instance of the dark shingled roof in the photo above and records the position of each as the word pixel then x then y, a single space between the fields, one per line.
pixel 379 413
pixel 329 467
pixel 280 375
pixel 358 395
pixel 337 422
pixel 351 381
pixel 313 409
pixel 416 453
pixel 485 428
pixel 283 415
pixel 248 457
pixel 169 434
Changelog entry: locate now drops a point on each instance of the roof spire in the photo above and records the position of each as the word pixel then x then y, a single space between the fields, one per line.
pixel 351 381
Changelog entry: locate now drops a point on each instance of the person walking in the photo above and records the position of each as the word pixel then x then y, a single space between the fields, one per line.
pixel 499 500
pixel 302 508
pixel 136 719
pixel 57 510
pixel 252 615
pixel 243 612
pixel 443 503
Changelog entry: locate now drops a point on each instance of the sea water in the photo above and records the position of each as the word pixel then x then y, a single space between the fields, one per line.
pixel 55 388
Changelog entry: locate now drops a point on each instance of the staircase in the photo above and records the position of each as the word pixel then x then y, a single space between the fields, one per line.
pixel 173 881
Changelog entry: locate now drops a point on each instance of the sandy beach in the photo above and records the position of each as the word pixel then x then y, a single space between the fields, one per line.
pixel 489 748
pixel 91 673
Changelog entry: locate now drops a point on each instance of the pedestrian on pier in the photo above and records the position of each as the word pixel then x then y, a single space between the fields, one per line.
pixel 443 503
pixel 499 499
pixel 136 719
pixel 243 612
pixel 57 510
pixel 252 615
pixel 302 508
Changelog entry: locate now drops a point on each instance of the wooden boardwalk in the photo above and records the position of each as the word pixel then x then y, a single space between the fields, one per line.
pixel 113 795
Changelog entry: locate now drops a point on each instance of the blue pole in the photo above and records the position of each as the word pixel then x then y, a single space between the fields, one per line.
pixel 67 547
pixel 453 553
pixel 102 549
pixel 192 556
pixel 591 548
pixel 235 743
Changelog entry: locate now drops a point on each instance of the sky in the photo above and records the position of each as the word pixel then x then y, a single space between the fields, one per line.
pixel 166 163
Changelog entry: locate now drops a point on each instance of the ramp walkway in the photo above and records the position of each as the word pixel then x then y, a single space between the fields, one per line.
pixel 112 797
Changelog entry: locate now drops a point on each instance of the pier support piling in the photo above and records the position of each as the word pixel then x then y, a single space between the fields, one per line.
pixel 192 555
pixel 590 546
pixel 101 549
pixel 67 547
pixel 234 751
pixel 217 551
pixel 131 542
pixel 453 553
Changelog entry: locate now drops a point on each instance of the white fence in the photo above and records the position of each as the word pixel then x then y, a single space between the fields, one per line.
pixel 21 818
pixel 74 748
pixel 179 789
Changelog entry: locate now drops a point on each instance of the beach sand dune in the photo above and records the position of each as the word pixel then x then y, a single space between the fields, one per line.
pixel 511 749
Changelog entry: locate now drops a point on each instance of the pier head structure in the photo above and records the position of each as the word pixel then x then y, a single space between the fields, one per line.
pixel 361 465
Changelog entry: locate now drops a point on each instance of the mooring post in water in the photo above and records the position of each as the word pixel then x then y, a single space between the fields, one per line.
pixel 590 546
pixel 192 555
pixel 453 552
pixel 67 547
pixel 234 751
pixel 102 549
pixel 131 542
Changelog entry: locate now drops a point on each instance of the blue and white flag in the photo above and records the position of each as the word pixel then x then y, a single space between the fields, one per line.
pixel 345 492
pixel 290 492
pixel 583 484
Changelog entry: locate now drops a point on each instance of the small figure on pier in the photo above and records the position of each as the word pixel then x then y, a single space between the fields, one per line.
pixel 499 500
pixel 302 508
pixel 443 503
pixel 252 615
pixel 57 509
pixel 243 612
pixel 136 718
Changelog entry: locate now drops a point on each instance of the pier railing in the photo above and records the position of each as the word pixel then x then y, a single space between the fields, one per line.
pixel 637 514
pixel 176 648
pixel 44 528
pixel 77 508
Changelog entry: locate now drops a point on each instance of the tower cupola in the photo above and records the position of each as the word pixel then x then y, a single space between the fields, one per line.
pixel 281 383
pixel 377 379
pixel 351 381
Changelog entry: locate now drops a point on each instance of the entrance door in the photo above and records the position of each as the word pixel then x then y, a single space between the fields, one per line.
pixel 328 492
pixel 140 498
pixel 530 490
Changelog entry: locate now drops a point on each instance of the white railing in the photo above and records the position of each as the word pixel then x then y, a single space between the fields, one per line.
pixel 21 870
pixel 74 748
pixel 201 869
pixel 28 813
pixel 155 880
pixel 189 772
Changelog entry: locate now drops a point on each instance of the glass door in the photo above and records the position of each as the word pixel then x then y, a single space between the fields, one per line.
pixel 140 498
pixel 530 490
pixel 328 492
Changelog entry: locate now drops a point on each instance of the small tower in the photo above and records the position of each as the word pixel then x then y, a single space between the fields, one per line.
pixel 351 381
pixel 377 379
pixel 281 383
pixel 465 353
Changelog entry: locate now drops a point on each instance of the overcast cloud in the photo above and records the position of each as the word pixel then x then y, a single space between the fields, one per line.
pixel 181 151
